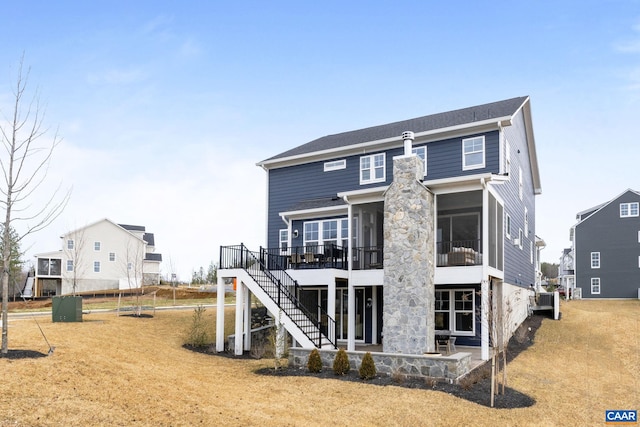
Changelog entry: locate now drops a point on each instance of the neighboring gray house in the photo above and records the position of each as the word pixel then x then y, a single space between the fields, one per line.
pixel 390 234
pixel 606 246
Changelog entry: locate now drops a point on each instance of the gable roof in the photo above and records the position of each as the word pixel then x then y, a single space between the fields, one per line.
pixel 492 112
pixel 588 213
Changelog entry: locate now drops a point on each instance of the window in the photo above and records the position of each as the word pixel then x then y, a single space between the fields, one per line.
pixel 531 252
pixel 454 311
pixel 473 153
pixel 284 240
pixel 96 266
pixel 520 237
pixel 422 153
pixel 520 183
pixel 69 265
pixel 70 244
pixel 526 222
pixel 129 266
pixel 595 259
pixel 372 168
pixel 595 285
pixel 96 246
pixel 628 209
pixel 507 225
pixel 443 307
pixel 311 234
pixel 331 231
pixel 335 165
pixel 112 256
pixel 49 266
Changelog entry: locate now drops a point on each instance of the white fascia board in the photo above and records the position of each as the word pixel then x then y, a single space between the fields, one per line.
pixel 366 195
pixel 52 254
pixel 311 213
pixel 531 146
pixel 461 183
pixel 377 145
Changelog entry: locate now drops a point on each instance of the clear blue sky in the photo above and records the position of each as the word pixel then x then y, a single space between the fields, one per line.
pixel 165 107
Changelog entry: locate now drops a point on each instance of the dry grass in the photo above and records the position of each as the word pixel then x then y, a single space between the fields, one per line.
pixel 112 370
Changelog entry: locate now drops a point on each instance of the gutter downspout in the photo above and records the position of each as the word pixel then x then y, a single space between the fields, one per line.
pixel 485 304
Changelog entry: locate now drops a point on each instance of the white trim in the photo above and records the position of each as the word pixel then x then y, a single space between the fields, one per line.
pixel 414 150
pixel 309 213
pixel 465 166
pixel 599 260
pixel 388 143
pixel 372 168
pixel 335 165
pixel 630 206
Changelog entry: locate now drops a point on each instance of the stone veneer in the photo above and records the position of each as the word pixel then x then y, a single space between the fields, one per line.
pixel 409 293
pixel 450 368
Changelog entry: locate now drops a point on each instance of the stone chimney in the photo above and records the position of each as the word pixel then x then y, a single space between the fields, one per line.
pixel 409 290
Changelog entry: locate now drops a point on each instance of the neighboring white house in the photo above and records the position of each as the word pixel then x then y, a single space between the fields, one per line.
pixel 100 256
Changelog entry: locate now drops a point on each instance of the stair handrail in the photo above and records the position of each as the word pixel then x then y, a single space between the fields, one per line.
pixel 256 265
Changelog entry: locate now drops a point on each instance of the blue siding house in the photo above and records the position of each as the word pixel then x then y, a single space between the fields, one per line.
pixel 606 246
pixel 327 245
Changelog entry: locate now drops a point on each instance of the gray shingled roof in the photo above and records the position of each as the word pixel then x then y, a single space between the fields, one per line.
pixel 447 119
pixel 317 203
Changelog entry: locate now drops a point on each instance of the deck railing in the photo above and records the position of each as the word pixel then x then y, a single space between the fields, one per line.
pixel 282 289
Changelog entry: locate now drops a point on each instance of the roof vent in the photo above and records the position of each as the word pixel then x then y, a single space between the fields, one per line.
pixel 408 138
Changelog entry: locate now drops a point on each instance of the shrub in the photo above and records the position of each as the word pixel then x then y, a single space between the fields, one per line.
pixel 314 364
pixel 341 363
pixel 198 334
pixel 367 367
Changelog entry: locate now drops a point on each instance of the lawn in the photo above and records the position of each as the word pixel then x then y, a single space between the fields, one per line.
pixel 111 370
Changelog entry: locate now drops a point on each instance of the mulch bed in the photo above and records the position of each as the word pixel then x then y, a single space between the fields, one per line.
pixel 476 387
pixel 22 354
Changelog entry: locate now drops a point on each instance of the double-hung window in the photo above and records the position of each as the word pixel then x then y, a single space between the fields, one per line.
pixel 284 240
pixel 311 235
pixel 70 244
pixel 330 231
pixel 628 209
pixel 595 285
pixel 595 259
pixel 96 246
pixel 69 265
pixel 372 168
pixel 96 266
pixel 422 153
pixel 454 311
pixel 473 153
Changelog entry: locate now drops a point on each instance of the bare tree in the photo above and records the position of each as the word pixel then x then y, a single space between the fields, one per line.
pixel 24 163
pixel 74 252
pixel 133 267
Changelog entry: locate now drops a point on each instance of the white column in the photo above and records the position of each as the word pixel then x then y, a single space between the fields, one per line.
pixel 220 316
pixel 247 319
pixel 331 304
pixel 239 318
pixel 351 330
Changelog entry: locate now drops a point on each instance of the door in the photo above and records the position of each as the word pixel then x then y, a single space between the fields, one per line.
pixel 342 308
